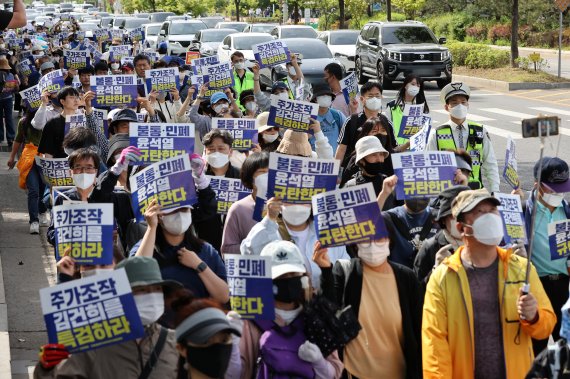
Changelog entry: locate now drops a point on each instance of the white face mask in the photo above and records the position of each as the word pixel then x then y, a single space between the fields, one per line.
pixel 221 108
pixel 552 199
pixel 374 104
pixel 292 71
pixel 288 316
pixel 177 223
pixel 239 65
pixel 261 185
pixel 65 45
pixel 114 66
pixel 217 159
pixel 251 106
pixel 283 95
pixel 324 101
pixel 182 76
pixel 150 306
pixel 84 180
pixel 270 137
pixel 488 229
pixel 95 271
pixel 295 214
pixel 2 45
pixel 459 111
pixel 374 253
pixel 412 90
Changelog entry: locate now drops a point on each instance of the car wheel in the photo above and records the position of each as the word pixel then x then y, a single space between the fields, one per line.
pixel 380 73
pixel 442 83
pixel 358 72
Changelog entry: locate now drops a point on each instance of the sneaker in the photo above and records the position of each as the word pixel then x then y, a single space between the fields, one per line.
pixel 35 228
pixel 44 219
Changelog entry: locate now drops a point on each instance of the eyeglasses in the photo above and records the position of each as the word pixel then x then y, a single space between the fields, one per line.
pixel 81 169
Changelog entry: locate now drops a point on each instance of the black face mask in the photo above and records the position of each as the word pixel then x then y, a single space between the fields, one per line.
pixel 374 168
pixel 212 360
pixel 383 139
pixel 417 205
pixel 289 290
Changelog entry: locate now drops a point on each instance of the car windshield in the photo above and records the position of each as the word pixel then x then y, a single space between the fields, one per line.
pixel 152 30
pixel 406 35
pixel 245 43
pixel 214 35
pixel 298 33
pixel 236 26
pixel 344 38
pixel 211 22
pixel 310 50
pixel 186 28
pixel 262 28
pixel 133 23
pixel 88 26
pixel 159 17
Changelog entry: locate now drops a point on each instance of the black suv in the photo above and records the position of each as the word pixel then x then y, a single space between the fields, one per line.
pixel 389 51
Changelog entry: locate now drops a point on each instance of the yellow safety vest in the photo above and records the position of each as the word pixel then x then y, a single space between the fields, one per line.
pixel 474 146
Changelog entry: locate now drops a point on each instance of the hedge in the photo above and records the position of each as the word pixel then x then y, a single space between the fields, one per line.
pixel 478 56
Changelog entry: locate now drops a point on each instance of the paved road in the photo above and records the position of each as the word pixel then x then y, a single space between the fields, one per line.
pixel 27 263
pixel 551 57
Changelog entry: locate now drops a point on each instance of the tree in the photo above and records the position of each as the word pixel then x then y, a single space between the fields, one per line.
pixel 410 7
pixel 341 14
pixel 356 9
pixel 389 10
pixel 515 34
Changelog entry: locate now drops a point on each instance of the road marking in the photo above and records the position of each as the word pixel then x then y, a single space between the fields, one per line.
pixel 552 110
pixel 505 112
pixel 551 95
pixel 470 116
pixel 502 132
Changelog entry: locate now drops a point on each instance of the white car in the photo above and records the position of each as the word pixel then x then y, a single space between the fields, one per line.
pixel 151 33
pixel 36 4
pixel 239 26
pixel 243 43
pixel 178 34
pixel 342 44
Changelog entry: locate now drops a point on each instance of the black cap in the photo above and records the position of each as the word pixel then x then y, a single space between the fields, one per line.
pixel 322 89
pixel 244 95
pixel 554 174
pixel 445 198
pixel 123 115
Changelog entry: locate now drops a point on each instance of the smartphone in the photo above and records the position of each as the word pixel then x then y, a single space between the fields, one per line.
pixel 540 127
pixel 249 64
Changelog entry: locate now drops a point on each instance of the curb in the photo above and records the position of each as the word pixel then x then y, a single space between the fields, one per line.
pixel 499 85
pixel 5 359
pixel 538 50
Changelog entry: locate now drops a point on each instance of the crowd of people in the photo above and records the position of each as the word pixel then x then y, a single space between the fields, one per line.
pixel 440 297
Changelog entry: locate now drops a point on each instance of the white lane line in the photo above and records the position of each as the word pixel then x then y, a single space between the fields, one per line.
pixel 554 111
pixel 505 112
pixel 503 133
pixel 470 116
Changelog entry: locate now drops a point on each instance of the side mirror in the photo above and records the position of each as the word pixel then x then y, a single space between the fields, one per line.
pixel 373 41
pixel 351 58
pixel 162 33
pixel 442 40
pixel 225 47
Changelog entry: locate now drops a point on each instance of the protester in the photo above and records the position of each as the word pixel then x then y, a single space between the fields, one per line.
pixel 332 77
pixel 268 136
pixel 7 101
pixel 14 19
pixel 243 78
pixel 331 120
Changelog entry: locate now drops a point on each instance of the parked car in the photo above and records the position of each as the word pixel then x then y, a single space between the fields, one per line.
pixel 259 28
pixel 389 51
pixel 211 21
pixel 106 22
pixel 160 16
pixel 293 31
pixel 142 15
pixel 242 42
pixel 48 11
pixel 342 44
pixel 133 23
pixel 315 56
pixel 151 34
pixel 65 7
pixel 178 34
pixel 239 26
pixel 37 4
pixel 184 17
pixel 208 40
pixel 88 28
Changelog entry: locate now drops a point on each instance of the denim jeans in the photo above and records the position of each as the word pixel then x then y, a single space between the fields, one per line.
pixel 6 110
pixel 36 188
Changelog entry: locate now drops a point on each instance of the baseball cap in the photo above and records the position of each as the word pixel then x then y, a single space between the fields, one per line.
pixel 217 97
pixel 445 199
pixel 262 119
pixel 278 85
pixel 285 258
pixel 46 66
pixel 467 200
pixel 452 89
pixel 554 174
pixel 199 327
pixel 369 145
pixel 117 141
pixel 144 271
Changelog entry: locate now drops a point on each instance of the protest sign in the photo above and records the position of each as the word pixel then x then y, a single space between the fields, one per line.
pixel 297 179
pixel 559 239
pixel 101 35
pixel 348 215
pixel 128 60
pixel 422 175
pixel 243 130
pixel 199 63
pixel 119 51
pixel 26 55
pixel 292 114
pixel 271 53
pixel 76 59
pixel 57 191
pixel 228 191
pixel 114 90
pixel 198 81
pixel 55 171
pixel 51 82
pixel 162 79
pixel 152 55
pixel 92 312
pixel 32 96
pixel 190 56
pixel 513 218
pixel 117 34
pixel 141 117
pixel 510 171
pixel 412 120
pixel 80 35
pixel 86 230
pixel 349 87
pixel 25 68
pixel 169 181
pixel 418 141
pixel 74 121
pixel 101 118
pixel 219 75
pixel 137 34
pixel 160 141
pixel 251 287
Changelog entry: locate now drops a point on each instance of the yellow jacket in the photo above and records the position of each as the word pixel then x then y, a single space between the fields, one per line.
pixel 448 347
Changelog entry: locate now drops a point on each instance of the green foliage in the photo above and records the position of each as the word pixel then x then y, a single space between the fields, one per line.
pixel 356 9
pixel 453 26
pixel 409 7
pixel 478 56
pixel 180 7
pixel 534 62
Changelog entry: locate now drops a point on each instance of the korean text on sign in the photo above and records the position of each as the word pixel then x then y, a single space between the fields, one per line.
pixel 271 53
pixel 251 289
pixel 243 130
pixel 192 55
pixel 92 312
pixel 423 174
pixel 292 114
pixel 412 120
pixel 513 218
pixel 161 141
pixel 219 75
pixel 228 191
pixel 198 81
pixel 510 171
pixel 51 82
pixel 199 63
pixel 162 79
pixel 25 68
pixel 348 215
pixel 118 52
pixel 169 181
pixel 298 179
pixel 75 121
pixel 86 230
pixel 114 90
pixel 101 118
pixel 55 171
pixel 137 34
pixel 418 141
pixel 559 239
pixel 101 35
pixel 32 96
pixel 349 87
pixel 76 59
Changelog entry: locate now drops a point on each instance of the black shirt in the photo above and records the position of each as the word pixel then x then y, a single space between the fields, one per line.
pixel 5 18
pixel 52 138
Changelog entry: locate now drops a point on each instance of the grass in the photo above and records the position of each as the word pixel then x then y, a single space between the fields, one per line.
pixel 513 75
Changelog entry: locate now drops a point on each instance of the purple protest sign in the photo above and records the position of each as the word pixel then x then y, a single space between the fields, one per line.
pixel 513 218
pixel 228 191
pixel 243 130
pixel 161 141
pixel 559 239
pixel 114 90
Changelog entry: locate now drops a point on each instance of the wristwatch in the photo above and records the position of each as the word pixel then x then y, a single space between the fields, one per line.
pixel 199 97
pixel 201 267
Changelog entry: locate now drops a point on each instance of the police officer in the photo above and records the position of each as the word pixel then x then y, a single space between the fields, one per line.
pixel 458 133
